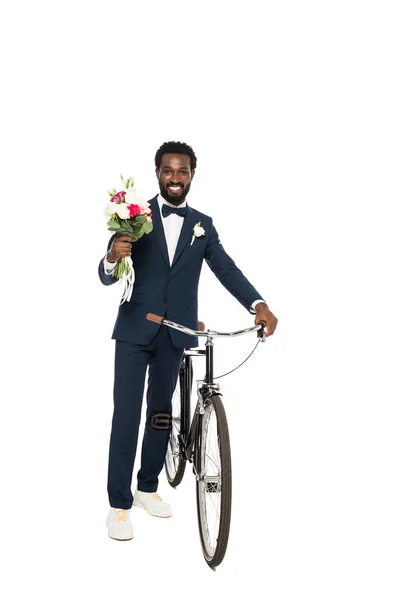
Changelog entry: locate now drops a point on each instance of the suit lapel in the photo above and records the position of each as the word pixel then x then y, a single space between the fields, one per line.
pixel 158 229
pixel 185 235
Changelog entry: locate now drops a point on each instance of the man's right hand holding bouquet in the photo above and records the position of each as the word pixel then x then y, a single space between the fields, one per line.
pixel 120 248
pixel 130 219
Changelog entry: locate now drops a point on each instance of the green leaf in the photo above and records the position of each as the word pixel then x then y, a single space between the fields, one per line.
pixel 147 227
pixel 139 233
pixel 127 226
pixel 141 219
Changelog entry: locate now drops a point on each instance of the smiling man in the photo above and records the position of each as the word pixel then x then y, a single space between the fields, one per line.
pixel 167 269
pixel 174 177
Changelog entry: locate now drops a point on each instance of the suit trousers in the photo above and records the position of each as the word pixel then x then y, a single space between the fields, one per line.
pixel 131 361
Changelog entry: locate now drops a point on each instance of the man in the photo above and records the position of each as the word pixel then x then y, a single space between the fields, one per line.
pixel 167 269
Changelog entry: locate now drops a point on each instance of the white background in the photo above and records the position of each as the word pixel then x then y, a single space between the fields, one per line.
pixel 293 111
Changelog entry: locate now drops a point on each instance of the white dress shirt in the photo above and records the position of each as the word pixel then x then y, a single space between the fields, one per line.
pixel 172 230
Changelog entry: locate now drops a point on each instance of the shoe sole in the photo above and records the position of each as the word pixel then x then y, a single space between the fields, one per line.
pixel 120 540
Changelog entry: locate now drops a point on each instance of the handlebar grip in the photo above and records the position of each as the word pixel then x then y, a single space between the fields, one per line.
pixel 261 334
pixel 202 326
pixel 154 318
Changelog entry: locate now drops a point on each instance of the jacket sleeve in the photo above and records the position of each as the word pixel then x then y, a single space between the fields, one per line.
pixel 104 278
pixel 231 277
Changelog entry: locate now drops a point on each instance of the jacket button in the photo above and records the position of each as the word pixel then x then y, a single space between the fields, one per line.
pixel 165 299
pixel 169 278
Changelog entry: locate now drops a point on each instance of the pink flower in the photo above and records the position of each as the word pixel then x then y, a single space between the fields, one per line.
pixel 150 220
pixel 118 197
pixel 134 210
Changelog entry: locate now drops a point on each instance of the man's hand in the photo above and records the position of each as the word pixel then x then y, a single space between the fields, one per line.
pixel 266 317
pixel 120 248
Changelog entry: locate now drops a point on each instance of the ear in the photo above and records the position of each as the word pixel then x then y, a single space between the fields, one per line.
pixel 157 173
pixel 192 173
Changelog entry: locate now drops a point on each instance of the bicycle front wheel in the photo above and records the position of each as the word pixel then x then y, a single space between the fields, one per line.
pixel 214 482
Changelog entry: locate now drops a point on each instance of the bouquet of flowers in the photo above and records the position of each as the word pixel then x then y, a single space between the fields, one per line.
pixel 127 215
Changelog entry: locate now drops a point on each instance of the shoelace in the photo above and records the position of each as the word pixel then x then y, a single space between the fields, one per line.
pixel 122 514
pixel 156 496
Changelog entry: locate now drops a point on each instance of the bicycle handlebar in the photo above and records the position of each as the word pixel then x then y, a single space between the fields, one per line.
pixel 202 332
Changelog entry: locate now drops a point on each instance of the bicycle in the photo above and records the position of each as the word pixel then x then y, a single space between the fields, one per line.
pixel 204 442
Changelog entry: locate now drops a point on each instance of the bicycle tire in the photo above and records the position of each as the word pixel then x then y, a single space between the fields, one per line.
pixel 213 478
pixel 175 462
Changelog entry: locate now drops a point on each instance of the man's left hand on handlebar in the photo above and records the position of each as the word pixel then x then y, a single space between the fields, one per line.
pixel 266 317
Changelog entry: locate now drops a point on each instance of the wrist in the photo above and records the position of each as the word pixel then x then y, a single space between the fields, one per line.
pixel 110 258
pixel 261 306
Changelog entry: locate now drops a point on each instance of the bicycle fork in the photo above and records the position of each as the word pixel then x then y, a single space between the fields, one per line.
pixel 205 389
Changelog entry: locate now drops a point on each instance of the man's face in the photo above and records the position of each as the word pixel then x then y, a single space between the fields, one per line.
pixel 174 177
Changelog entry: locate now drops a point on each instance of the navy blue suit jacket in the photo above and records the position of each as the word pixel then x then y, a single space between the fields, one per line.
pixel 171 290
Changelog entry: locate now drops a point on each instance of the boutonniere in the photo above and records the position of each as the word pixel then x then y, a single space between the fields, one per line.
pixel 197 231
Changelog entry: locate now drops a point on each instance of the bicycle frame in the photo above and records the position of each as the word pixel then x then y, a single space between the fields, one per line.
pixel 206 388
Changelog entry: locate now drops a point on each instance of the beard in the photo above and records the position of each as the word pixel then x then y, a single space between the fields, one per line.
pixel 174 199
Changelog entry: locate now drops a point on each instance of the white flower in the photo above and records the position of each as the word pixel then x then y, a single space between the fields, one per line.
pixel 111 208
pixel 130 196
pixel 144 205
pixel 123 211
pixel 197 231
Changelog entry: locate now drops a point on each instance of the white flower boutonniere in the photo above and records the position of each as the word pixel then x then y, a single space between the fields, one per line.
pixel 197 231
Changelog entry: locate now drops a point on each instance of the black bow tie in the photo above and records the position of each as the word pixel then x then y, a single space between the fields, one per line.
pixel 168 210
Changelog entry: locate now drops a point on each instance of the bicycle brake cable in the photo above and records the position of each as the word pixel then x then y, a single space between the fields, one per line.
pixel 242 363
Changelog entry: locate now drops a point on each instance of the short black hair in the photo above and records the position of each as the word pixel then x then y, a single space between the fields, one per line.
pixel 175 148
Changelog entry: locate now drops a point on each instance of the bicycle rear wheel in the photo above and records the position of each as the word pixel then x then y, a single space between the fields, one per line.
pixel 214 484
pixel 175 462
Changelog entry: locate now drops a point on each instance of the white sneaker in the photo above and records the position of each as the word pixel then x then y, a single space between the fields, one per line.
pixel 152 502
pixel 119 525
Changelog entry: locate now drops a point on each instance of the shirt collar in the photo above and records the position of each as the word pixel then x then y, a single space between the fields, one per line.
pixel 162 200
